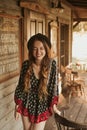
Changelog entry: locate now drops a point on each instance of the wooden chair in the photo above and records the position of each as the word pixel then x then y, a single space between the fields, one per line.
pixel 65 124
pixel 72 85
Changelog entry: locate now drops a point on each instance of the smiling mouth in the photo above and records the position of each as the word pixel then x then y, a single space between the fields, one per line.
pixel 38 55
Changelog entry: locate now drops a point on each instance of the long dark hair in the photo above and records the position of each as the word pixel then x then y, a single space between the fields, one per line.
pixel 44 64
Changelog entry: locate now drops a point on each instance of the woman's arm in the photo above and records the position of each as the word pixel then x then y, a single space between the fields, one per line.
pixel 55 109
pixel 18 95
pixel 16 114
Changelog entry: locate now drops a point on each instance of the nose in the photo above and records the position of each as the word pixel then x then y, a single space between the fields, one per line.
pixel 38 51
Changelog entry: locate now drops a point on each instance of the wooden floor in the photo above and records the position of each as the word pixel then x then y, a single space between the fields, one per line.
pixel 78 105
pixel 76 110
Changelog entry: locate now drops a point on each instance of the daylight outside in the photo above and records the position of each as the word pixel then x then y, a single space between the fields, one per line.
pixel 79 45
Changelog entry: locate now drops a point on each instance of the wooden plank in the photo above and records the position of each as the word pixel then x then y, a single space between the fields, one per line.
pixel 68 111
pixel 50 124
pixel 85 120
pixel 6 119
pixel 74 111
pixel 6 99
pixel 9 119
pixel 8 107
pixel 10 16
pixel 8 82
pixel 8 90
pixel 34 6
pixel 13 125
pixel 82 114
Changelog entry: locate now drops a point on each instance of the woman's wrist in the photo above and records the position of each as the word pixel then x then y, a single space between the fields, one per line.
pixel 16 107
pixel 55 109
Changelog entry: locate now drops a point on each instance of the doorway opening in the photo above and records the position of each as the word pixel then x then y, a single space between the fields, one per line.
pixel 79 45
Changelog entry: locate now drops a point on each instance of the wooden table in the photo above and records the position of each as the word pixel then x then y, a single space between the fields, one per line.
pixel 77 111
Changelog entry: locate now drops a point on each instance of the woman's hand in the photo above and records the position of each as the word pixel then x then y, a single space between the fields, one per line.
pixel 55 109
pixel 16 114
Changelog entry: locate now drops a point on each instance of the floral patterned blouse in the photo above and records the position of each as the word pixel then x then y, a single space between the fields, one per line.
pixel 28 103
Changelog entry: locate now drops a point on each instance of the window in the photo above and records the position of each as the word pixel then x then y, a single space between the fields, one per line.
pixel 37 23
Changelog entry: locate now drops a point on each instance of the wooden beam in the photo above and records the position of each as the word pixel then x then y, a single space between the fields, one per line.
pixel 9 16
pixel 67 3
pixel 35 6
pixel 76 13
pixel 76 24
pixel 80 19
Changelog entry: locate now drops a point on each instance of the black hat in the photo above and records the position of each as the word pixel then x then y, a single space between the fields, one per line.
pixel 39 37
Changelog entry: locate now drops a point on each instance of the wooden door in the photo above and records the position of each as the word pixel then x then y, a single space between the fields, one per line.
pixel 64 44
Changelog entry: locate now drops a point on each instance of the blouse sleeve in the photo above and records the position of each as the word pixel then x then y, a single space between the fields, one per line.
pixel 18 95
pixel 54 83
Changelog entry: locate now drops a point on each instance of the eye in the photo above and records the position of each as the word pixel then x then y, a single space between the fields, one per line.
pixel 34 49
pixel 42 48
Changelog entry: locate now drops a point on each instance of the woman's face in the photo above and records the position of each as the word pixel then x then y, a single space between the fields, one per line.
pixel 38 50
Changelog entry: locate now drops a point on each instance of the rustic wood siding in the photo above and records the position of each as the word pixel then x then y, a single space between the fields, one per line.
pixel 8 79
pixel 7 121
pixel 11 9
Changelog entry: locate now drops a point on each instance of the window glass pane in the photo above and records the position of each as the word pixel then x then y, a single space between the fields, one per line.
pixel 40 27
pixel 32 27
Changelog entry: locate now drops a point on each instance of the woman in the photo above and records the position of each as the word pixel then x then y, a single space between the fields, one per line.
pixel 36 94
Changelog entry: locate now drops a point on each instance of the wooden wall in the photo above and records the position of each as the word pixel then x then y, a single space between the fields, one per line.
pixel 10 54
pixel 7 121
pixel 14 33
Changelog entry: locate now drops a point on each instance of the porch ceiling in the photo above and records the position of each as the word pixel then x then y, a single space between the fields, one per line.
pixel 79 8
